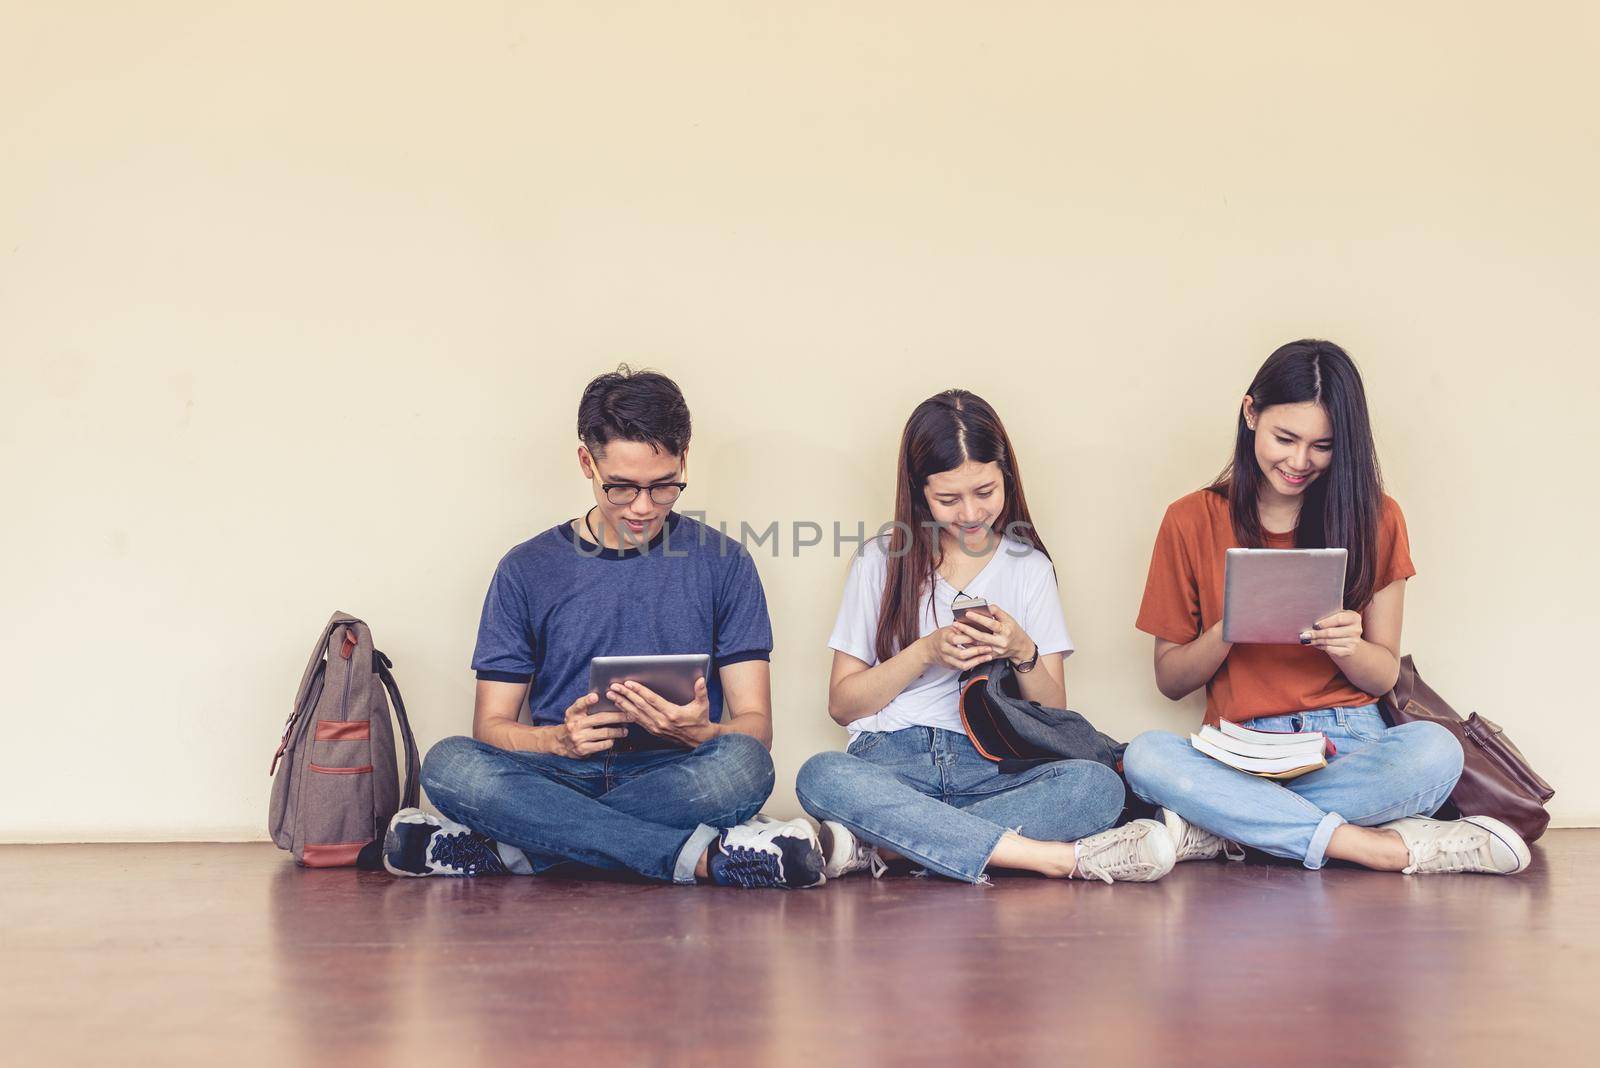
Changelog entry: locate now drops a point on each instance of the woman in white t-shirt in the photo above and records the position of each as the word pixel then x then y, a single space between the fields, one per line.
pixel 911 784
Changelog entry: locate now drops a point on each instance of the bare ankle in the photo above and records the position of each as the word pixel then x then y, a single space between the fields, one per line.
pixel 1371 847
pixel 1055 860
pixel 1398 855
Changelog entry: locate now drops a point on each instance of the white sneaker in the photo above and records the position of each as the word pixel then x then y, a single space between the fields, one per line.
pixel 764 852
pixel 1136 852
pixel 417 844
pixel 1195 843
pixel 1476 843
pixel 843 852
pixel 802 825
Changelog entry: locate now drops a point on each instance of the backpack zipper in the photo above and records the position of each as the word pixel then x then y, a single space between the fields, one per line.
pixel 348 648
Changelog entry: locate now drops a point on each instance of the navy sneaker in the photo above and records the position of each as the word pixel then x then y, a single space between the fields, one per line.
pixel 418 844
pixel 767 854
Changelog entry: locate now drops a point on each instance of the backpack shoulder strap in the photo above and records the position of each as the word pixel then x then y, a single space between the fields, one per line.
pixel 409 795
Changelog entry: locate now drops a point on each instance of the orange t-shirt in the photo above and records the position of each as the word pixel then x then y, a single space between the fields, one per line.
pixel 1183 597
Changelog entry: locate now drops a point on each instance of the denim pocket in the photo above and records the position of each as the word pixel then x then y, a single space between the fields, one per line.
pixel 864 743
pixel 1365 725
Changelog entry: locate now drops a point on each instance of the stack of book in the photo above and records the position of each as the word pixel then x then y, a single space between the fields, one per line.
pixel 1268 754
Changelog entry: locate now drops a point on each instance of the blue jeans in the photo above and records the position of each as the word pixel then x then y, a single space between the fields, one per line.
pixel 652 812
pixel 927 794
pixel 1380 773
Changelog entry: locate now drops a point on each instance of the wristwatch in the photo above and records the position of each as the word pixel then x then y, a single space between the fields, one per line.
pixel 1030 663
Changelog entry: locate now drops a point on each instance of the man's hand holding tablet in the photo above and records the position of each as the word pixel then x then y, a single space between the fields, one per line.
pixel 584 733
pixel 666 695
pixel 688 724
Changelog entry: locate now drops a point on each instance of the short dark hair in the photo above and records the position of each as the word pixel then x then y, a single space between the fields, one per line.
pixel 629 405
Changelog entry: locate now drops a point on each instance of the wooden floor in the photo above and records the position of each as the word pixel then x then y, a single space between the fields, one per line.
pixel 228 954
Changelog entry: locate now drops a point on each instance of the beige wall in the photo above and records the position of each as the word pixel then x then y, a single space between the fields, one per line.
pixel 268 264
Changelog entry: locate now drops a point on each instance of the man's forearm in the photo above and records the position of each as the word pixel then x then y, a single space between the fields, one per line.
pixel 517 737
pixel 757 725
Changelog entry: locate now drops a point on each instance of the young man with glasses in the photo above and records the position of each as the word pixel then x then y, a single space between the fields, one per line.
pixel 663 790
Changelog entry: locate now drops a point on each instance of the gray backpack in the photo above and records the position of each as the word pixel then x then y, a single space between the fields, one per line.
pixel 336 786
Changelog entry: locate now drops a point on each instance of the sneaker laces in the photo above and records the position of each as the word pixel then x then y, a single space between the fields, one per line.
pixel 1199 842
pixel 750 867
pixel 468 852
pixel 1458 849
pixel 867 857
pixel 863 856
pixel 1119 854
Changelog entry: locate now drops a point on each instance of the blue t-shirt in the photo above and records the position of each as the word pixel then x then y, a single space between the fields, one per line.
pixel 557 601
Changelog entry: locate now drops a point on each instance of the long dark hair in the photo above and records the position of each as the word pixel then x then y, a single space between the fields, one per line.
pixel 1340 508
pixel 945 431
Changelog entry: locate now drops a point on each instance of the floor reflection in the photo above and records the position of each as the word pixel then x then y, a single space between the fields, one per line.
pixel 1213 962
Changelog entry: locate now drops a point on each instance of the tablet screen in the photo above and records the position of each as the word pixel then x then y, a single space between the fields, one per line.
pixel 670 676
pixel 1271 595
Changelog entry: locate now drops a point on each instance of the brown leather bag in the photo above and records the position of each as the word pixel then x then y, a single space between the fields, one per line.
pixel 1496 779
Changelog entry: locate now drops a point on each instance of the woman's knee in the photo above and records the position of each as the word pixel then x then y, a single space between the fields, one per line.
pixel 1152 758
pixel 1091 793
pixel 1111 796
pixel 824 778
pixel 1432 749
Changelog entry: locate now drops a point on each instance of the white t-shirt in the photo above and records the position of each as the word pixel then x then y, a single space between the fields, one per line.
pixel 1018 578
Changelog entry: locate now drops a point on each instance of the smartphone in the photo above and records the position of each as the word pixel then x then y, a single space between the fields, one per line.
pixel 962 605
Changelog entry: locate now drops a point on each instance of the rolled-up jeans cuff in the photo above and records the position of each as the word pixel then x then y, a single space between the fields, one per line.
pixel 701 837
pixel 980 874
pixel 1317 852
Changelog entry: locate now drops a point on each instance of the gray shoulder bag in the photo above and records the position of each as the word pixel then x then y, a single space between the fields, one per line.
pixel 336 785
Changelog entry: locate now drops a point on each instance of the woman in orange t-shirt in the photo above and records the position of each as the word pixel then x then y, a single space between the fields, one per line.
pixel 1304 474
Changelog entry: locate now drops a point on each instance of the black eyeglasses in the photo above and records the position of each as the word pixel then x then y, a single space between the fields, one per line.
pixel 621 493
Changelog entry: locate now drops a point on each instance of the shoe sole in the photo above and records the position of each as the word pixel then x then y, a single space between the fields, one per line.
pixel 1508 838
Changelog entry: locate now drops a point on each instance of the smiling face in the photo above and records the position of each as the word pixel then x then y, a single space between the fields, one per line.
pixel 1293 444
pixel 965 502
pixel 637 464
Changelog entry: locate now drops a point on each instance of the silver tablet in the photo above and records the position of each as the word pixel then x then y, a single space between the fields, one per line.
pixel 1271 595
pixel 672 676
